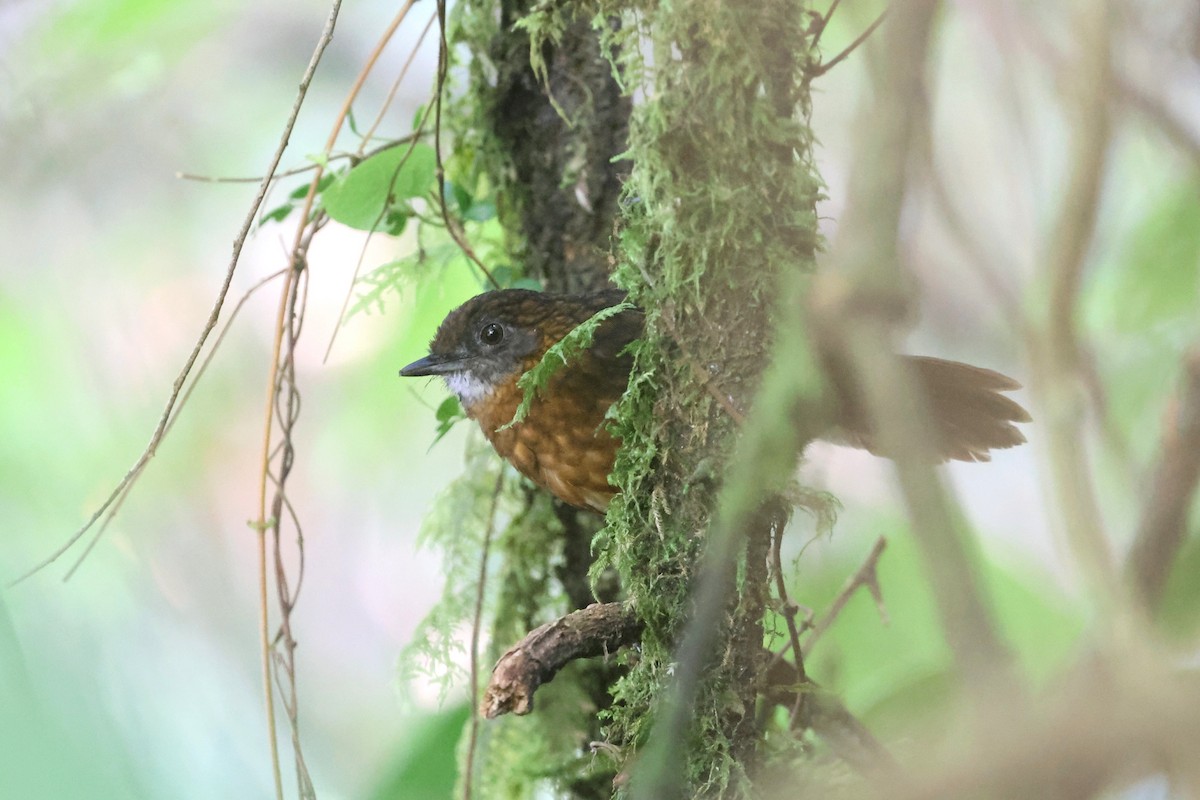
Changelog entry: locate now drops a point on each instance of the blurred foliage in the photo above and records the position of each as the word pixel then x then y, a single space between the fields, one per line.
pixel 73 421
pixel 45 753
pixel 898 674
pixel 426 767
pixel 1143 310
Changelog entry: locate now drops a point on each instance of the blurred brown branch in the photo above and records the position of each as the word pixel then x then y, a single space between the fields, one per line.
pixel 856 313
pixel 1059 356
pixel 1163 524
pixel 1101 725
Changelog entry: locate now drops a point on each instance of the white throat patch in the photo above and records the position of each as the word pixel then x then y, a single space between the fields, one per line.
pixel 470 390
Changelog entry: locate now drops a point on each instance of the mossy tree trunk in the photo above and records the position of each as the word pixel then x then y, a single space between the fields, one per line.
pixel 725 220
pixel 550 134
pixel 719 215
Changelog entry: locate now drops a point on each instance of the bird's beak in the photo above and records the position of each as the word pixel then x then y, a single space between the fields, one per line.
pixel 433 364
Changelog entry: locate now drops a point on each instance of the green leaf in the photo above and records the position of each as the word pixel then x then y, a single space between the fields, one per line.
pixel 277 214
pixel 359 198
pixel 301 191
pixel 449 413
pixel 480 211
pixel 396 222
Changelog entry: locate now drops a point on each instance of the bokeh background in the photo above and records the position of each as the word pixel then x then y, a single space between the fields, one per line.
pixel 139 677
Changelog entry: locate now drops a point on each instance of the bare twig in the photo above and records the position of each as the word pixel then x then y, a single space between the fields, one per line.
pixel 288 400
pixel 825 66
pixel 827 717
pixel 476 630
pixel 239 241
pixel 1057 351
pixel 857 319
pixel 280 378
pixel 848 736
pixel 867 576
pixel 183 400
pixel 360 154
pixel 825 22
pixel 451 224
pixel 391 95
pixel 412 138
pixel 789 610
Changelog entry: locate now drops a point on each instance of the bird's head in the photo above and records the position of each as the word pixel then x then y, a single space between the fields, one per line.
pixel 486 342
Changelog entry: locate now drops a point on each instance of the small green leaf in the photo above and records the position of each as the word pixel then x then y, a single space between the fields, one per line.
pixel 448 414
pixel 395 222
pixel 301 191
pixel 480 211
pixel 503 275
pixel 278 214
pixel 462 198
pixel 358 198
pixel 449 408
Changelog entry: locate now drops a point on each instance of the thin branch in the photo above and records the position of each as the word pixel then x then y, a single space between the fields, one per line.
pixel 413 137
pixel 360 155
pixel 825 22
pixel 476 630
pixel 855 321
pixel 239 241
pixel 1163 524
pixel 391 95
pixel 326 38
pixel 362 253
pixel 451 225
pixel 281 371
pixel 1057 350
pixel 789 610
pixel 867 576
pixel 827 717
pixel 825 66
pixel 183 400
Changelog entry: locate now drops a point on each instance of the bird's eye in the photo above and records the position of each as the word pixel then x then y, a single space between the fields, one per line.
pixel 492 333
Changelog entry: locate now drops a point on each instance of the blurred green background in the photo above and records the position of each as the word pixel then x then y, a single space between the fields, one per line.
pixel 140 676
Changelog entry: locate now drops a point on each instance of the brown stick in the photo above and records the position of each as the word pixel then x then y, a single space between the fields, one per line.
pixel 867 576
pixel 1163 523
pixel 599 629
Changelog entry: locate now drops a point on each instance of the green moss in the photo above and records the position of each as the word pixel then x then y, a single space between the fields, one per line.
pixel 560 353
pixel 720 209
pixel 718 229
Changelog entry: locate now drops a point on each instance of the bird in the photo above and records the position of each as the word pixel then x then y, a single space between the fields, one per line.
pixel 483 347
